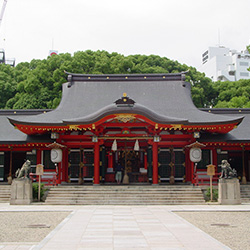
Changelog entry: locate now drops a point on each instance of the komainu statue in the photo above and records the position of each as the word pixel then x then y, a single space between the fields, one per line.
pixel 226 171
pixel 24 171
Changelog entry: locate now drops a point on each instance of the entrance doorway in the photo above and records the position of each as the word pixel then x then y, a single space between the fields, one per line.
pixel 13 161
pixel 133 163
pixel 80 165
pixel 171 163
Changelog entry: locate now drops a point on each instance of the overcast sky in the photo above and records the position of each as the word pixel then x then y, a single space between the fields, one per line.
pixel 178 29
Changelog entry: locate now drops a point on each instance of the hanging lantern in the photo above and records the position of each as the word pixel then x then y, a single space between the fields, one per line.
pixel 195 154
pixel 136 147
pixel 56 155
pixel 114 146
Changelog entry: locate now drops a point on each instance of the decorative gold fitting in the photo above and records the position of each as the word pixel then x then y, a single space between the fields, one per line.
pixel 125 118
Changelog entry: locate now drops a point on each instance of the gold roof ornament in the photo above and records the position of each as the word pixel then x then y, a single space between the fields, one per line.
pixel 73 127
pixel 125 118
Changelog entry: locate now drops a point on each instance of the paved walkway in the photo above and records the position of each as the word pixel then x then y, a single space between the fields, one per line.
pixel 123 227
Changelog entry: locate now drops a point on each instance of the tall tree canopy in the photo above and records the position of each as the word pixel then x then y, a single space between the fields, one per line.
pixel 37 84
pixel 232 94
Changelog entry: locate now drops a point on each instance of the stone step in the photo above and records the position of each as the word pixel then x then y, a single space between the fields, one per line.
pixel 137 201
pixel 126 187
pixel 94 196
pixel 64 195
pixel 245 193
pixel 123 195
pixel 245 189
pixel 121 192
pixel 4 193
pixel 245 200
pixel 131 195
pixel 115 202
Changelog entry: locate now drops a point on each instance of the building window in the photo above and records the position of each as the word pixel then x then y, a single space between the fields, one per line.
pixel 244 64
pixel 204 59
pixel 246 74
pixel 205 53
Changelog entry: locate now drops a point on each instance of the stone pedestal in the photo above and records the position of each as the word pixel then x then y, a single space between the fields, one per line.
pixel 229 191
pixel 21 192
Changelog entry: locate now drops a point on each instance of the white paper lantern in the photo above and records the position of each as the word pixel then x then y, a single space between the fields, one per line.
pixel 56 155
pixel 136 146
pixel 195 154
pixel 114 146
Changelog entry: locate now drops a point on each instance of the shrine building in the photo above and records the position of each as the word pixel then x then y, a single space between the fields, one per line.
pixel 147 122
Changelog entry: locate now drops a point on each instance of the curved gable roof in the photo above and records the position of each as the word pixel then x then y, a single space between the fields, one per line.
pixel 163 98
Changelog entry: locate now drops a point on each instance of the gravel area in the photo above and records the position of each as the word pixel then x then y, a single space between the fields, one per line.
pixel 28 226
pixel 230 228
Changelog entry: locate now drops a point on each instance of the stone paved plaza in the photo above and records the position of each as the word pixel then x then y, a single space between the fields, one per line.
pixel 111 227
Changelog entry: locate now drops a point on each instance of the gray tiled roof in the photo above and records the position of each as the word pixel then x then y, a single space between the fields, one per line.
pixel 164 98
pixel 239 134
pixel 9 135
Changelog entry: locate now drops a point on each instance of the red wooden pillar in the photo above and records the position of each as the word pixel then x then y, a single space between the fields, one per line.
pixel 155 163
pixel 187 166
pixel 214 157
pixel 97 164
pixel 192 172
pixel 110 160
pixel 64 165
pixel 38 156
pixel 59 167
pixel 145 160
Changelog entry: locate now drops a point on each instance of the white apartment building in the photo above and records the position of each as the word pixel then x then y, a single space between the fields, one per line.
pixel 223 64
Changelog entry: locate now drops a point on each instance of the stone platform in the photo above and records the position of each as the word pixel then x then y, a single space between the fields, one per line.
pixel 21 192
pixel 229 191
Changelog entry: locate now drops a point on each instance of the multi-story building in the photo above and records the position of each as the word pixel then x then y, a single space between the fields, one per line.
pixel 224 64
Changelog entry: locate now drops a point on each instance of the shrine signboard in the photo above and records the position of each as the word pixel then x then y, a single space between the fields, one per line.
pixel 211 172
pixel 39 169
pixel 39 172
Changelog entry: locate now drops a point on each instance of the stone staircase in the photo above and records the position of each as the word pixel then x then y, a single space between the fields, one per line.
pixel 124 195
pixel 4 193
pixel 245 193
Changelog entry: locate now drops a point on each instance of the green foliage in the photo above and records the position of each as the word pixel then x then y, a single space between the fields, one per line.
pixel 208 194
pixel 37 84
pixel 35 187
pixel 203 92
pixel 8 84
pixel 232 94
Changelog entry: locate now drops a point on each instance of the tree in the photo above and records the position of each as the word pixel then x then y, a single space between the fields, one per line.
pixel 7 84
pixel 232 94
pixel 37 84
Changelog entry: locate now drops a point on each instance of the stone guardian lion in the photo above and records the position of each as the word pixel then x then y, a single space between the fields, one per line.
pixel 24 171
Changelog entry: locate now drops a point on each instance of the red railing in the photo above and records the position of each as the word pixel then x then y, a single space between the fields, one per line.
pixel 48 178
pixel 202 179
